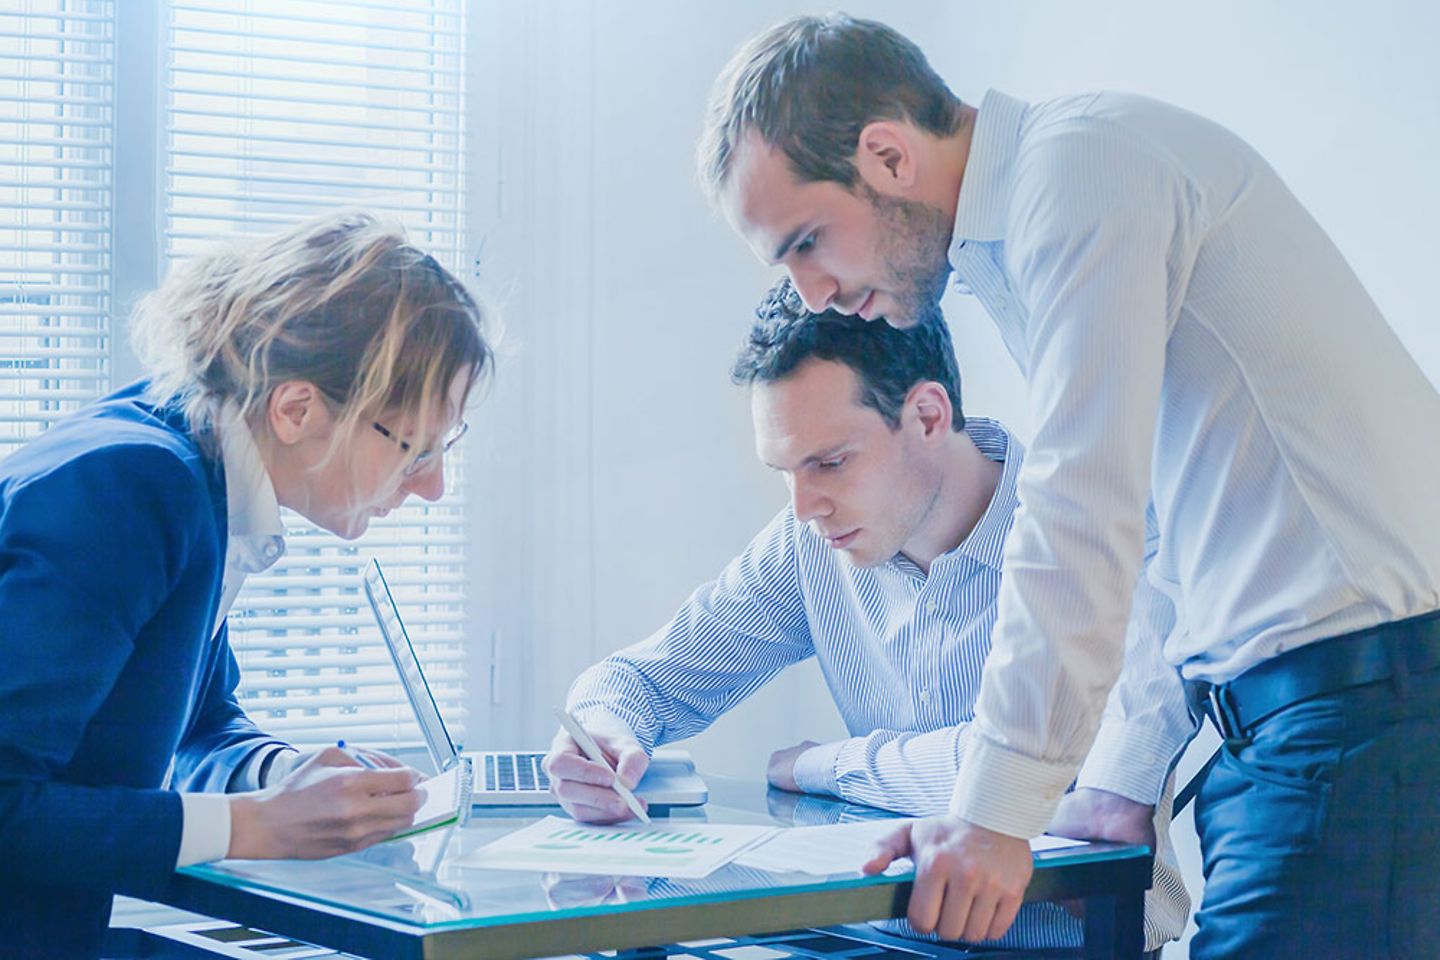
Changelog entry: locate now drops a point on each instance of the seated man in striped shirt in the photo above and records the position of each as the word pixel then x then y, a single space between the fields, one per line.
pixel 885 567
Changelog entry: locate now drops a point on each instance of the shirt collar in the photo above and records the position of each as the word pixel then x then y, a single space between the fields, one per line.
pixel 256 534
pixel 986 542
pixel 985 189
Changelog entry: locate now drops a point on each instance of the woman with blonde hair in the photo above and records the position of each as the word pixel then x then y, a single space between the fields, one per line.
pixel 325 370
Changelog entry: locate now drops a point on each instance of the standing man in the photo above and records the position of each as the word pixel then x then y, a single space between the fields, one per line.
pixel 1195 348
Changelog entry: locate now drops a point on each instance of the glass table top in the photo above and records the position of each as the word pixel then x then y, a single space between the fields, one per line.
pixel 421 881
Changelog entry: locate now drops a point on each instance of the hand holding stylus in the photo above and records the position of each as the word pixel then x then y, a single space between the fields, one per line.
pixel 591 770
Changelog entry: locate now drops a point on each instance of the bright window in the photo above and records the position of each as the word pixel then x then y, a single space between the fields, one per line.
pixel 261 112
pixel 275 109
pixel 56 112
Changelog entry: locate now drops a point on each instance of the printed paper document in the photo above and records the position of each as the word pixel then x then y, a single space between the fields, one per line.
pixel 842 848
pixel 683 849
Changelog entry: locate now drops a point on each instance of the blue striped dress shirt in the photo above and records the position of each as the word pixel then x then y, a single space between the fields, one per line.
pixel 902 654
pixel 1191 341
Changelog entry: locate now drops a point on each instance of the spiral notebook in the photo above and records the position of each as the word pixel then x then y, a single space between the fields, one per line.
pixel 447 800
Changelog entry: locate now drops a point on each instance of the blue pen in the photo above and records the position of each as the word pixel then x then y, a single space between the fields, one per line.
pixel 364 762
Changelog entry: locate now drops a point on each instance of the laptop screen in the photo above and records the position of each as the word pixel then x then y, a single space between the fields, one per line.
pixel 412 678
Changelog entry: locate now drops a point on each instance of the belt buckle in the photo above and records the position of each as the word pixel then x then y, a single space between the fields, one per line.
pixel 1217 711
pixel 1223 712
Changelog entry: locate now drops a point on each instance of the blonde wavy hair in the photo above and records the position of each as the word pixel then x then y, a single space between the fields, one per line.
pixel 343 301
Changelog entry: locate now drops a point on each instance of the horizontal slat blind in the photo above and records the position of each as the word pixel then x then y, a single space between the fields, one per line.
pixel 56 115
pixel 276 109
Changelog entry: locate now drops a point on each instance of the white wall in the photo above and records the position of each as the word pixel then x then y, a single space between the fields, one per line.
pixel 620 452
pixel 617 471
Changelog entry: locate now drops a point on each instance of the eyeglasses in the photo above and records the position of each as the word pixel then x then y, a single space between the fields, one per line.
pixel 424 458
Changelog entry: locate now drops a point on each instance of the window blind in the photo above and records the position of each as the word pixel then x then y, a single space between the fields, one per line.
pixel 274 110
pixel 56 110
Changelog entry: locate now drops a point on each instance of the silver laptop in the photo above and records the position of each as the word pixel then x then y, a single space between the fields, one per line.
pixel 507 778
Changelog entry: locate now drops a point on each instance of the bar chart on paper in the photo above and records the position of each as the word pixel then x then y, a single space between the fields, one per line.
pixel 654 850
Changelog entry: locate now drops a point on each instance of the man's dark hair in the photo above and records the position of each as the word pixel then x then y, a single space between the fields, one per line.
pixel 887 361
pixel 809 85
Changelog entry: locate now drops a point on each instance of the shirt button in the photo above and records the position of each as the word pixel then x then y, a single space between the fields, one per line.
pixel 931 607
pixel 924 696
pixel 271 550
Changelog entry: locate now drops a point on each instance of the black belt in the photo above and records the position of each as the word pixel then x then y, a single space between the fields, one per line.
pixel 1391 650
pixel 1394 649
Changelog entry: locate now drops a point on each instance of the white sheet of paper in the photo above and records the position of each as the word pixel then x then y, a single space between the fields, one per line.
pixel 686 850
pixel 1047 842
pixel 842 848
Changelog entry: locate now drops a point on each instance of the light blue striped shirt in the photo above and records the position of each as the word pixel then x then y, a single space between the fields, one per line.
pixel 1191 340
pixel 902 654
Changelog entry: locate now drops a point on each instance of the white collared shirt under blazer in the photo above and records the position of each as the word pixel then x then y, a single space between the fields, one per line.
pixel 255 540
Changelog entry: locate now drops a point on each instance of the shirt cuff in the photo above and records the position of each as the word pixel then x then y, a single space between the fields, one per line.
pixel 280 767
pixel 1129 759
pixel 204 829
pixel 246 777
pixel 601 718
pixel 1006 792
pixel 814 770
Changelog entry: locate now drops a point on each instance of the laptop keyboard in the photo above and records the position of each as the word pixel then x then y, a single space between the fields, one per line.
pixel 515 773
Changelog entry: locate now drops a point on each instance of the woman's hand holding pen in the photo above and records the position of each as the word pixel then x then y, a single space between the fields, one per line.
pixel 373 759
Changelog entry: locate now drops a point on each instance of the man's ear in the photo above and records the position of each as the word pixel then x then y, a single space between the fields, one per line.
pixel 297 411
pixel 885 157
pixel 932 408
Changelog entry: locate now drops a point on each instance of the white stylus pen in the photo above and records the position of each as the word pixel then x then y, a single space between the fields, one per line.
pixel 593 751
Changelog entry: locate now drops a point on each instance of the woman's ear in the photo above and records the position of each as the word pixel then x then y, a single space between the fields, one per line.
pixel 297 411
